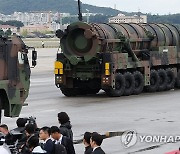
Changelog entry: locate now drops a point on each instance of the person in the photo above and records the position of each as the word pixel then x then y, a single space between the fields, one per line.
pixel 96 141
pixel 48 144
pixel 8 136
pixel 65 125
pixel 34 147
pixel 60 139
pixel 29 131
pixel 86 141
pixel 3 149
pixel 4 129
pixel 42 44
pixel 20 122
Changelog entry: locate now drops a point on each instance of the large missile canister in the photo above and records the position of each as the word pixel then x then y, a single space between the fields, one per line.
pixel 85 40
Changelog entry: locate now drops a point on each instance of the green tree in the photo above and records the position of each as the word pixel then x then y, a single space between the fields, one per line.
pixel 1 32
pixel 8 32
pixel 14 23
pixel 24 33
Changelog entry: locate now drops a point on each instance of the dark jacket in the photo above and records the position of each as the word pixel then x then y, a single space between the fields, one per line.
pixel 19 134
pixel 98 151
pixel 65 130
pixel 49 146
pixel 68 145
pixel 88 150
pixel 59 149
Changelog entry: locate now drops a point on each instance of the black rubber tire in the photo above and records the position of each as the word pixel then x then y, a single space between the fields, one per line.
pixel 0 109
pixel 129 84
pixel 69 92
pixel 119 86
pixel 154 81
pixel 177 84
pixel 163 79
pixel 170 79
pixel 139 82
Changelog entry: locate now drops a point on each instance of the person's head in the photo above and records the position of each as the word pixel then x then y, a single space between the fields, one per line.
pixel 29 129
pixel 21 122
pixel 4 129
pixel 55 133
pixel 86 139
pixel 32 142
pixel 96 140
pixel 44 133
pixel 63 117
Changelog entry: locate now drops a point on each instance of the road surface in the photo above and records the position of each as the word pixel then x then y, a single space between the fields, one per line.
pixel 148 114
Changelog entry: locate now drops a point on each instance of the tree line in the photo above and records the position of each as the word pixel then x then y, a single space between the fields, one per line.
pixel 5 33
pixel 15 23
pixel 171 19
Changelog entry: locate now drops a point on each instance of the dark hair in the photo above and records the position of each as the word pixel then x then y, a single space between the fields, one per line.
pixel 21 122
pixel 63 117
pixel 4 126
pixel 33 141
pixel 97 138
pixel 46 129
pixel 87 136
pixel 30 128
pixel 55 129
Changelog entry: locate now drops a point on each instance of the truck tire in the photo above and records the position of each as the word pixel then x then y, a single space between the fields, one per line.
pixel 177 84
pixel 119 86
pixel 139 82
pixel 69 92
pixel 0 108
pixel 129 84
pixel 162 80
pixel 154 81
pixel 170 79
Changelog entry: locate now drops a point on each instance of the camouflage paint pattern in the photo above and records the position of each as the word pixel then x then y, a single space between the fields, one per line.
pixel 126 47
pixel 14 75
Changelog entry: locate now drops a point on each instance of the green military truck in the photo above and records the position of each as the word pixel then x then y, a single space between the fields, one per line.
pixel 121 59
pixel 14 74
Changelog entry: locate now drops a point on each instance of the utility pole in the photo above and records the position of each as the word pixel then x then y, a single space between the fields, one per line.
pixel 80 12
pixel 87 15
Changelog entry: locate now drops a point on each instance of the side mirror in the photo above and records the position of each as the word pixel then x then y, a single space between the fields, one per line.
pixel 34 58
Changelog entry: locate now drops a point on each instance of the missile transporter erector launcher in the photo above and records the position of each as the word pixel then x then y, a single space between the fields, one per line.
pixel 121 59
pixel 14 74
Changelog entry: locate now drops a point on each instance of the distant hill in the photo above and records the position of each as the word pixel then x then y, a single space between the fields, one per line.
pixel 68 6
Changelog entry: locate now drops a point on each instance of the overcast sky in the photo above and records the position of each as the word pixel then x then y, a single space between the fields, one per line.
pixel 145 6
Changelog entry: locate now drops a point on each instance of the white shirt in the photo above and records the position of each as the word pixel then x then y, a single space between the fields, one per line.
pixel 60 140
pixel 38 149
pixel 95 148
pixel 47 140
pixel 4 150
